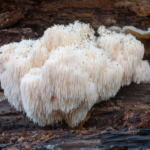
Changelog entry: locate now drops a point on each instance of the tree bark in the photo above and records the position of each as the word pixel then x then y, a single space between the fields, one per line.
pixel 29 18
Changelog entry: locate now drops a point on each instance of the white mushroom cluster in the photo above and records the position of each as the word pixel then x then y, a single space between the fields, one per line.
pixel 63 74
pixel 128 52
pixel 141 35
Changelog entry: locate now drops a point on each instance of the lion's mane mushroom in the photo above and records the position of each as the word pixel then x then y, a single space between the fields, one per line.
pixel 128 52
pixel 63 74
pixel 141 35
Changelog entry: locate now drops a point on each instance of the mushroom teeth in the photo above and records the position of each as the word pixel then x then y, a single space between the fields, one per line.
pixel 141 35
pixel 64 73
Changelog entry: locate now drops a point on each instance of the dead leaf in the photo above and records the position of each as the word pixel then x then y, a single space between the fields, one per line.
pixel 22 135
pixel 129 123
pixel 124 124
pixel 80 125
pixel 28 146
pixel 126 115
pixel 140 125
pixel 45 137
pixel 51 138
pixel 34 135
pixel 84 132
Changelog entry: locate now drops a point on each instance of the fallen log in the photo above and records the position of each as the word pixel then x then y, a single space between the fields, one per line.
pixel 128 110
pixel 116 123
pixel 36 16
pixel 132 139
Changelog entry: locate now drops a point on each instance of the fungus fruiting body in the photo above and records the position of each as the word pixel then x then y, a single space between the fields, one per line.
pixel 127 51
pixel 63 74
pixel 115 28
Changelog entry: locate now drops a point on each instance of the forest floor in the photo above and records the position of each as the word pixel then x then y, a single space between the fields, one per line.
pixel 120 123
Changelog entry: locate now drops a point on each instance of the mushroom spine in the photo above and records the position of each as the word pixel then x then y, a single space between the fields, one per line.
pixel 64 73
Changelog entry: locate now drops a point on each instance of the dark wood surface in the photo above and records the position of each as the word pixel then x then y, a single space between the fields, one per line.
pixel 29 18
pixel 121 122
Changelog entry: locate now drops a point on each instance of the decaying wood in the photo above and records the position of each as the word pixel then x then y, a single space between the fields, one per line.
pixel 133 139
pixel 135 97
pixel 113 124
pixel 116 122
pixel 36 16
